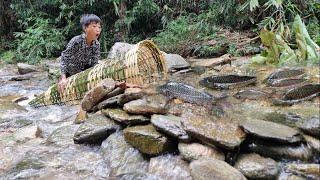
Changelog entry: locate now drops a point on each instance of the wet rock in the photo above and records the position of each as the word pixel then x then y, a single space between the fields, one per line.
pixel 288 119
pixel 133 176
pixel 115 92
pixel 27 168
pixel 19 99
pixel 22 77
pixel 310 171
pixel 290 176
pixel 122 117
pixel 181 109
pixel 14 123
pixel 169 167
pixel 25 133
pixel 221 133
pixel 147 140
pixel 62 136
pixel 312 142
pixel 170 125
pixel 118 50
pixel 208 168
pixel 26 68
pixel 95 95
pixel 130 94
pixel 254 166
pixel 110 102
pixel 271 130
pixel 280 151
pixel 95 129
pixel 175 61
pixel 195 151
pixel 310 126
pixel 121 157
pixel 81 116
pixel 149 105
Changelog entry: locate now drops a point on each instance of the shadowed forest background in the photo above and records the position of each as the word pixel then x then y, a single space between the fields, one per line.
pixel 34 29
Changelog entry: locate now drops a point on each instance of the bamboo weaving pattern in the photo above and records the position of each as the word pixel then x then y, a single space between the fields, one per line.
pixel 142 64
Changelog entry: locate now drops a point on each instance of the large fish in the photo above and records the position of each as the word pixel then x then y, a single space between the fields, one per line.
pixel 187 93
pixel 227 81
pixel 299 94
pixel 287 73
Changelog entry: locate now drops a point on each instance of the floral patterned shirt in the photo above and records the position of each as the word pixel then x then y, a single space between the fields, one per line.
pixel 78 56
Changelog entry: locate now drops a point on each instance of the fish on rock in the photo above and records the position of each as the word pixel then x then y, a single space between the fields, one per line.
pixel 286 73
pixel 251 94
pixel 187 93
pixel 227 81
pixel 299 94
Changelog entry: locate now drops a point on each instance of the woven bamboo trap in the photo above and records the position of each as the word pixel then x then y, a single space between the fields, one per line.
pixel 142 64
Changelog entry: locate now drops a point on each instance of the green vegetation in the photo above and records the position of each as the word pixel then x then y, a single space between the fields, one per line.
pixel 36 29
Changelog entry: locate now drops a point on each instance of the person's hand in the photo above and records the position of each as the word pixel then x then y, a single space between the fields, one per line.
pixel 62 84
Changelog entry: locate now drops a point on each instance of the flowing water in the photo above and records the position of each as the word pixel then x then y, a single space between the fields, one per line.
pixel 29 151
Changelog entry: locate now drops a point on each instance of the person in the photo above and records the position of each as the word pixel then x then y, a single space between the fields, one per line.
pixel 82 52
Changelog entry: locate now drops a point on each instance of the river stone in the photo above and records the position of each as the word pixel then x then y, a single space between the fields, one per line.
pixel 253 166
pixel 175 61
pixel 62 136
pixel 114 92
pixel 170 125
pixel 110 102
pixel 130 94
pixel 310 126
pixel 81 116
pixel 169 167
pixel 26 68
pixel 119 50
pixel 22 77
pixel 123 117
pixel 185 109
pixel 271 130
pixel 95 95
pixel 30 167
pixel 147 140
pixel 221 133
pixel 312 142
pixel 279 151
pixel 121 157
pixel 134 176
pixel 149 105
pixel 209 168
pixel 95 129
pixel 289 176
pixel 195 151
pixel 310 171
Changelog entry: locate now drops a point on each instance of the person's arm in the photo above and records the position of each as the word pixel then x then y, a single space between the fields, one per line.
pixel 66 57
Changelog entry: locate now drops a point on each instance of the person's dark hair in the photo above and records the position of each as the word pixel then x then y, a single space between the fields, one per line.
pixel 86 19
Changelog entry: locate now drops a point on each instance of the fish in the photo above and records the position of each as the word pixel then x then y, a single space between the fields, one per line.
pixel 292 73
pixel 227 81
pixel 251 94
pixel 299 94
pixel 286 82
pixel 187 93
